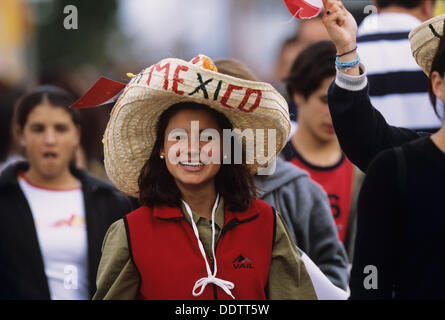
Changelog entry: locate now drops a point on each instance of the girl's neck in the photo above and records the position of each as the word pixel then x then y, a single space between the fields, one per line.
pixel 439 138
pixel 64 180
pixel 200 200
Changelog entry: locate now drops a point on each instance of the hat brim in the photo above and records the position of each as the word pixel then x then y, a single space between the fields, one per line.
pixel 131 131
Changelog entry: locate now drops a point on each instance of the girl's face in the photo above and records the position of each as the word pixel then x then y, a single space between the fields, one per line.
pixel 190 171
pixel 313 113
pixel 50 138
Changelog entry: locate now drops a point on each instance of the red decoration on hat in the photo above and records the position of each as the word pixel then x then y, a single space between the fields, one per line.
pixel 196 59
pixel 304 9
pixel 102 92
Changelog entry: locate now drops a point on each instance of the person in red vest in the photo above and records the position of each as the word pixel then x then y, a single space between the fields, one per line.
pixel 200 232
pixel 314 146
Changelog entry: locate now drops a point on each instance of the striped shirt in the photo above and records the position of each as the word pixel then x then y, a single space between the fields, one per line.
pixel 398 87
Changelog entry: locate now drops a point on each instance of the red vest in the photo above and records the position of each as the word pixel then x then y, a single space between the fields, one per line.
pixel 166 253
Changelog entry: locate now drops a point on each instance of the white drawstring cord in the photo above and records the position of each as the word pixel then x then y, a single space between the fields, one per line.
pixel 211 278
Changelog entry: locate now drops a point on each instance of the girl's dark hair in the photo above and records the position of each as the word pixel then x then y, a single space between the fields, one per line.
pixel 438 65
pixel 312 66
pixel 157 186
pixel 56 96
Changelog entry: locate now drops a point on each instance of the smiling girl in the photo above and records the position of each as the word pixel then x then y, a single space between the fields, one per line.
pixel 200 233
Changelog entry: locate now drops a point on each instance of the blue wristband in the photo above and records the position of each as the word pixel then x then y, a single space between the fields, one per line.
pixel 347 65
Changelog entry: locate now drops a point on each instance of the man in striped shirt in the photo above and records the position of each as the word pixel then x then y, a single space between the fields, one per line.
pixel 398 87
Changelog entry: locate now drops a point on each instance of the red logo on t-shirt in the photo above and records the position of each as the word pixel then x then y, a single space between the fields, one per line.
pixel 73 221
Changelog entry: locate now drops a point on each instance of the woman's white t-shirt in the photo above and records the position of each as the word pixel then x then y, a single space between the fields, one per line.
pixel 59 217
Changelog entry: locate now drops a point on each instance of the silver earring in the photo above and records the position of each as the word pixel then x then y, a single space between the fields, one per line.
pixel 161 156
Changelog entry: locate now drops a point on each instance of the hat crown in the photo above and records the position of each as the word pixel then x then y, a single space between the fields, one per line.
pixel 424 41
pixel 204 62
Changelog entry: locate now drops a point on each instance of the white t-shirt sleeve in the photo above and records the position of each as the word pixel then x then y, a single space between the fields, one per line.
pixel 324 288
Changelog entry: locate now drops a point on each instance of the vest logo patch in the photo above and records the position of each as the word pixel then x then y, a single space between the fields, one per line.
pixel 242 262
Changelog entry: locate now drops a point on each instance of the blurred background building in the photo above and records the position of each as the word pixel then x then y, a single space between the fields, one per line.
pixel 114 35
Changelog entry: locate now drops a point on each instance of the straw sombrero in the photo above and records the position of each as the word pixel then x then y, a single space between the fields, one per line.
pixel 425 40
pixel 131 130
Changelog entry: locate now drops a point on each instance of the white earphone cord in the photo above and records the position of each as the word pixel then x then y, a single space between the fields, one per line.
pixel 211 278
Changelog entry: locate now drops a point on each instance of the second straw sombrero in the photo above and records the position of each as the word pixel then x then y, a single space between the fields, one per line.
pixel 131 130
pixel 425 40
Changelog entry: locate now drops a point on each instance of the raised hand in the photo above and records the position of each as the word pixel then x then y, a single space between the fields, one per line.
pixel 342 29
pixel 340 24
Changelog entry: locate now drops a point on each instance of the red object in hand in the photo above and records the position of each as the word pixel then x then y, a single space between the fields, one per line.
pixel 304 9
pixel 102 92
